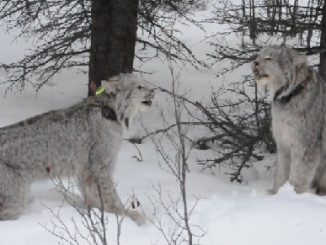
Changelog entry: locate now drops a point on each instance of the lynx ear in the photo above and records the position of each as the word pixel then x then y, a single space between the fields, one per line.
pixel 298 59
pixel 110 86
pixel 114 78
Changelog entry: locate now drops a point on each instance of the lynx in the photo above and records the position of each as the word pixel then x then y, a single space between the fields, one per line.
pixel 81 141
pixel 298 117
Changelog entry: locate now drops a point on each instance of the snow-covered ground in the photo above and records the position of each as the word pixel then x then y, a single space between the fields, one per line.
pixel 225 213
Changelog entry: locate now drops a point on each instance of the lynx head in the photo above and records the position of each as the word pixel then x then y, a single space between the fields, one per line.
pixel 278 66
pixel 130 96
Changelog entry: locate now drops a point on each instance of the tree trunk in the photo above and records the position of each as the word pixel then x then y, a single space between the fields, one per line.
pixel 322 65
pixel 113 38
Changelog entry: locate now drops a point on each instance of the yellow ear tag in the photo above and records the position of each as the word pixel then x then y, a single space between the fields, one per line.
pixel 100 91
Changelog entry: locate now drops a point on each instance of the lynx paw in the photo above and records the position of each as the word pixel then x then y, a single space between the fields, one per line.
pixel 272 191
pixel 137 217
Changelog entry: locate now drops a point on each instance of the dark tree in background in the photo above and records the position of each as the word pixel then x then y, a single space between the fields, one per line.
pixel 322 65
pixel 113 37
pixel 96 34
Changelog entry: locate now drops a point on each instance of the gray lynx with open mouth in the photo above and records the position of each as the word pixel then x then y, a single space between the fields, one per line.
pixel 298 117
pixel 81 141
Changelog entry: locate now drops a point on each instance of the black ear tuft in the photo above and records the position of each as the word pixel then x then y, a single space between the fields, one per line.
pixel 127 122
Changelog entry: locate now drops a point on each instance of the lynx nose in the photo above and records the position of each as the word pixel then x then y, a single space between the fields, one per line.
pixel 254 67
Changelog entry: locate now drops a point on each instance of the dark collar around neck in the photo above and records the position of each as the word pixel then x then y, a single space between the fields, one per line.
pixel 109 113
pixel 286 98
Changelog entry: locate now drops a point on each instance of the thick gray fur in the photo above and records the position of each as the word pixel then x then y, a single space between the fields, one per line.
pixel 298 123
pixel 77 141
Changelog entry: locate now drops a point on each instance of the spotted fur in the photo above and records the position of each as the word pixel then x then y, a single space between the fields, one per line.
pixel 298 117
pixel 81 141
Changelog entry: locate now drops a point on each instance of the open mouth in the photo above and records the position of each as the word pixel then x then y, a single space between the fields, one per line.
pixel 261 76
pixel 147 102
pixel 258 75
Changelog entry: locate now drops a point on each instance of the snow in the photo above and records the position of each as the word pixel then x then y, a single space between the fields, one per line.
pixel 225 213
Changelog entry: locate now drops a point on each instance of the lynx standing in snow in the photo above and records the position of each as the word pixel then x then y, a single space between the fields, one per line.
pixel 81 141
pixel 298 117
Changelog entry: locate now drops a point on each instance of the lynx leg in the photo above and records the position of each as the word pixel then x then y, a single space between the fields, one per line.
pixel 303 169
pixel 320 179
pixel 100 192
pixel 13 192
pixel 320 182
pixel 282 170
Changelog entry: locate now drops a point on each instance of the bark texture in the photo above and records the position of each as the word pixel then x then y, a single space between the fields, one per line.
pixel 322 66
pixel 113 38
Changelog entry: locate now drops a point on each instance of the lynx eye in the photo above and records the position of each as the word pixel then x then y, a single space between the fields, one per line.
pixel 268 58
pixel 140 87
